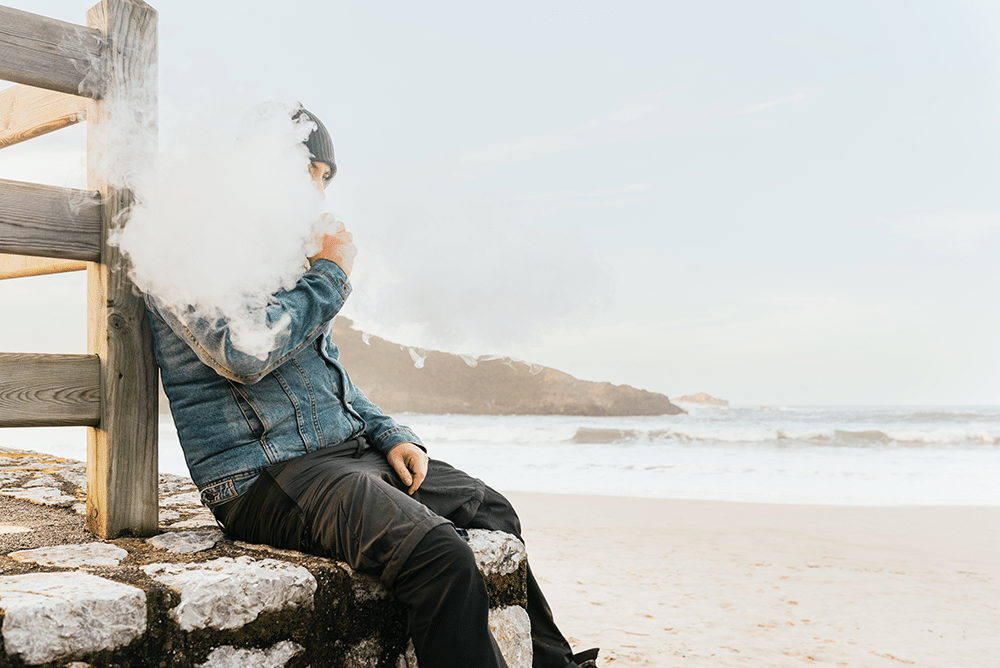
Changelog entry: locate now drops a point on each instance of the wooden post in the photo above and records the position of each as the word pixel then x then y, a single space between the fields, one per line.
pixel 122 492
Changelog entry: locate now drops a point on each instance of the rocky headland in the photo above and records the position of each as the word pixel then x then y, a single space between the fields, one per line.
pixel 445 383
pixel 702 398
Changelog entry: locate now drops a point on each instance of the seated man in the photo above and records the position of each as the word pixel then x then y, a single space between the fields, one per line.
pixel 287 451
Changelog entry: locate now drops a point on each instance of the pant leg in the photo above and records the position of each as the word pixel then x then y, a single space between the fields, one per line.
pixel 550 648
pixel 343 508
pixel 447 604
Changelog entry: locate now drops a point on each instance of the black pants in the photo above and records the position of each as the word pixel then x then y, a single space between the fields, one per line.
pixel 345 502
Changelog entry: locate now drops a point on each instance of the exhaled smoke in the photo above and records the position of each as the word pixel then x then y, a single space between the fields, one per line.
pixel 229 223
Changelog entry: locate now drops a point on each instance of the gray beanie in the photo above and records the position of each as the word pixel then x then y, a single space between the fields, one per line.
pixel 319 143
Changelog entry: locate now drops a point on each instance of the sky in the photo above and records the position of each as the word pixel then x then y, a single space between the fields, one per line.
pixel 772 202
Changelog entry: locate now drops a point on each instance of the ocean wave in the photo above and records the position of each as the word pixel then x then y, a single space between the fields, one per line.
pixel 789 436
pixel 869 427
pixel 594 435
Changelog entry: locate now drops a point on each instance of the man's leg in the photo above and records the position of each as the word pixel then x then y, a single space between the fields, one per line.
pixel 549 647
pixel 336 507
pixel 447 603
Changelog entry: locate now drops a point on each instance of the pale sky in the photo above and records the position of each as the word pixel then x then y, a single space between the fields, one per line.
pixel 773 202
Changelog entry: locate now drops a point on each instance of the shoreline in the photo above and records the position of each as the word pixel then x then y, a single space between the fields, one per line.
pixel 659 582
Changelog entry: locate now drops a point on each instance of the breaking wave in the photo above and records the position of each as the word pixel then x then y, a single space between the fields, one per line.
pixel 869 428
pixel 819 437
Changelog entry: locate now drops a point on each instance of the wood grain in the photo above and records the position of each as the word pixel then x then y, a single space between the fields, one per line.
pixel 21 266
pixel 47 221
pixel 47 53
pixel 27 112
pixel 49 390
pixel 122 491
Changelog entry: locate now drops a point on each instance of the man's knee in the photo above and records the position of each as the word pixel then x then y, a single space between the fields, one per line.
pixel 442 558
pixel 497 514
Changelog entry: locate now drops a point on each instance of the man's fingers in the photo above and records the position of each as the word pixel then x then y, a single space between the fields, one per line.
pixel 410 463
pixel 399 464
pixel 419 474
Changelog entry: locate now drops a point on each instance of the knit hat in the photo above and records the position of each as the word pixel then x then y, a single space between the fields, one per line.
pixel 319 143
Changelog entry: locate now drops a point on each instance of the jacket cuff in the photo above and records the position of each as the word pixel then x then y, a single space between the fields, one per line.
pixel 334 273
pixel 394 437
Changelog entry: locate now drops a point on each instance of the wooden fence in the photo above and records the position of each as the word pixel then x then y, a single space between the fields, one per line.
pixel 68 73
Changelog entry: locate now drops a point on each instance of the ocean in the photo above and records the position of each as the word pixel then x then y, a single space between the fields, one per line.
pixel 828 455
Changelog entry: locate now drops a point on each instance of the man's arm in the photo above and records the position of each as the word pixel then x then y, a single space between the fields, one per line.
pixel 301 314
pixel 307 308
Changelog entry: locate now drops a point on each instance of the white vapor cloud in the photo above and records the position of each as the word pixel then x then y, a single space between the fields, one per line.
pixel 230 223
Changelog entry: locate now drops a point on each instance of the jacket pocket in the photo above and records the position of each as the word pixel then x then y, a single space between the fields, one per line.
pixel 215 494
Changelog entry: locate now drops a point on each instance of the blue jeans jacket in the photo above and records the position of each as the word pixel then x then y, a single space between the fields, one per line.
pixel 237 414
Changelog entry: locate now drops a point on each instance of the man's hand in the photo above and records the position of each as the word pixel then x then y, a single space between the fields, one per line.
pixel 336 245
pixel 410 464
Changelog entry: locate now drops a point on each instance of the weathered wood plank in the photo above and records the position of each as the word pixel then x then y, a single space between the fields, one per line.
pixel 49 390
pixel 47 53
pixel 27 112
pixel 47 221
pixel 20 266
pixel 122 453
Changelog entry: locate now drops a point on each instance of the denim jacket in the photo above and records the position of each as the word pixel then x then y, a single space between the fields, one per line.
pixel 236 414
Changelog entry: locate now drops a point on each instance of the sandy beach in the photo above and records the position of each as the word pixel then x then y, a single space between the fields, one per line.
pixel 700 583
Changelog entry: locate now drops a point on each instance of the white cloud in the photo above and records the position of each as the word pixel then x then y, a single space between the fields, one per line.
pixel 952 230
pixel 794 98
pixel 591 131
pixel 547 204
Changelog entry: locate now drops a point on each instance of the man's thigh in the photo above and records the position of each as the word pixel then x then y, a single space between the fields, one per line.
pixel 355 509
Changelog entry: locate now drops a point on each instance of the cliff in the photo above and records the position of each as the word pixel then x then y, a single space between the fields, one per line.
pixel 702 398
pixel 447 383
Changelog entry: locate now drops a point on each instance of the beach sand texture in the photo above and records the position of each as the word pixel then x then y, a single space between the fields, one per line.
pixel 665 583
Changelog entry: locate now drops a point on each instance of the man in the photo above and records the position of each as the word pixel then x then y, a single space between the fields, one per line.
pixel 287 451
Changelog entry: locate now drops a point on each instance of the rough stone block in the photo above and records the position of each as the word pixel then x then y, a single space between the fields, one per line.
pixel 183 499
pixel 227 593
pixel 231 657
pixel 496 552
pixel 512 630
pixel 186 542
pixel 49 616
pixel 200 520
pixel 13 528
pixel 72 556
pixel 46 496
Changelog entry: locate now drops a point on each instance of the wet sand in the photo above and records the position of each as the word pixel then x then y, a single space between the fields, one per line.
pixel 700 583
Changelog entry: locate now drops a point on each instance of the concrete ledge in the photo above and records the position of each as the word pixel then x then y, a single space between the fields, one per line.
pixel 190 597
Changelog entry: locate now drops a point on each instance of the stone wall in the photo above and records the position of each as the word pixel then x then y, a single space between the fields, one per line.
pixel 190 597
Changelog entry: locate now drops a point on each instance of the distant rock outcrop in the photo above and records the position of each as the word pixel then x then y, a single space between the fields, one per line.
pixel 702 398
pixel 447 383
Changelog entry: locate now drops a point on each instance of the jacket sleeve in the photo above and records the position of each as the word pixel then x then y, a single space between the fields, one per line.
pixel 308 307
pixel 381 431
